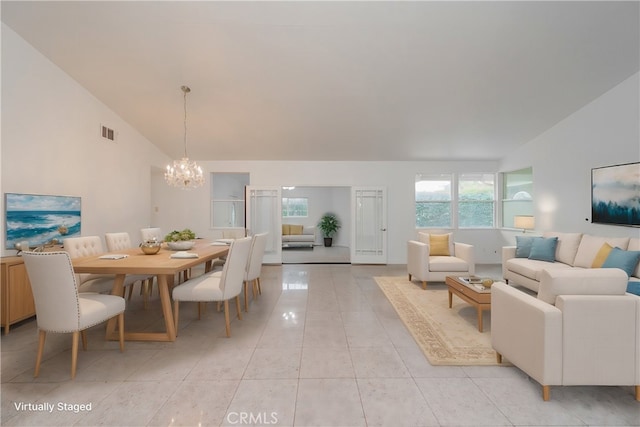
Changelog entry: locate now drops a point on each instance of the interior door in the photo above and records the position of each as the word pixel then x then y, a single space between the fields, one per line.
pixel 264 214
pixel 368 225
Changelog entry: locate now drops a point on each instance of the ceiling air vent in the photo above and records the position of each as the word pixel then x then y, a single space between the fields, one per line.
pixel 107 133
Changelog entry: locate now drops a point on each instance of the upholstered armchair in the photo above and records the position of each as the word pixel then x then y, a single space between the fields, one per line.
pixel 581 329
pixel 433 257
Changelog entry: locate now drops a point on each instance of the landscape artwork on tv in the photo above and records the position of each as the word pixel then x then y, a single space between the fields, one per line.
pixel 40 219
pixel 615 195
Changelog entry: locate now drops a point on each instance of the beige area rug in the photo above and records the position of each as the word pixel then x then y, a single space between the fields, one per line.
pixel 447 336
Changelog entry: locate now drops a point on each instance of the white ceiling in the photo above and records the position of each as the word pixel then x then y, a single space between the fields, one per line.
pixel 338 80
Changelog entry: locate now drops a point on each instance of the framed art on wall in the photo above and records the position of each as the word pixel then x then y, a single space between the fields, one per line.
pixel 615 195
pixel 40 219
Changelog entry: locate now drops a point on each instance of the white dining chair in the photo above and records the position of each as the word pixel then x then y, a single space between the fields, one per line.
pixel 61 308
pixel 254 267
pixel 121 241
pixel 151 234
pixel 212 287
pixel 78 247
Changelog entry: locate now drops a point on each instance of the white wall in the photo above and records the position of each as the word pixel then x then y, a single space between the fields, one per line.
pixel 50 144
pixel 192 209
pixel 602 133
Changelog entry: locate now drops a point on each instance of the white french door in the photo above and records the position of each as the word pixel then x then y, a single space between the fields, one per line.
pixel 368 225
pixel 264 214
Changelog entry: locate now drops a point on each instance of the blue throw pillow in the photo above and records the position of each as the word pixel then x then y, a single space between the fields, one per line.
pixel 634 287
pixel 523 246
pixel 544 249
pixel 624 260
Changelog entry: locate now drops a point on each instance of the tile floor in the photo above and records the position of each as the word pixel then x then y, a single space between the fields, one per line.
pixel 321 347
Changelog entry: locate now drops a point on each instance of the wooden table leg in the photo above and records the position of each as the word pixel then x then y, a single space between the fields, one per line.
pixel 450 298
pixel 165 300
pixel 118 286
pixel 479 318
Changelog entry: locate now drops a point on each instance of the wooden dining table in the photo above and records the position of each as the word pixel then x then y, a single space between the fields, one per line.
pixel 161 265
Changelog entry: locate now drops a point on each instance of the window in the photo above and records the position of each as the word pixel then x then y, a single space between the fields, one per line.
pixel 433 201
pixel 476 200
pixel 295 207
pixel 517 195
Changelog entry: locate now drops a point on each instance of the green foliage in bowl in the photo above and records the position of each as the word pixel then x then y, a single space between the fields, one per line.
pixel 178 236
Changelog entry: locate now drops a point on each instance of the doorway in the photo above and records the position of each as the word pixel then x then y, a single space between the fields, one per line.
pixel 304 205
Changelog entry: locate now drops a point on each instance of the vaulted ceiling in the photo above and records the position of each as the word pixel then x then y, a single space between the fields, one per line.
pixel 338 80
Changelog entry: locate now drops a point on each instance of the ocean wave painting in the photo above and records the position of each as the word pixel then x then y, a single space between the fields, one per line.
pixel 615 195
pixel 40 219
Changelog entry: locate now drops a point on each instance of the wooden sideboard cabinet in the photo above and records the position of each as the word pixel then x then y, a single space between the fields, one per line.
pixel 17 298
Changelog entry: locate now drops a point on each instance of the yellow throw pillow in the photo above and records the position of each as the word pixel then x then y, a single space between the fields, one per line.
pixel 439 245
pixel 295 229
pixel 601 256
pixel 285 229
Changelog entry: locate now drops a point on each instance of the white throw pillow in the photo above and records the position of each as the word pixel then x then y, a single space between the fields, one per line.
pixel 590 245
pixel 567 246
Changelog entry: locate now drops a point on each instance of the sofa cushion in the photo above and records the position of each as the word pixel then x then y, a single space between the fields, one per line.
pixel 634 245
pixel 544 249
pixel 590 245
pixel 523 245
pixel 285 229
pixel 624 260
pixel 633 287
pixel 590 281
pixel 295 229
pixel 601 256
pixel 532 268
pixel 447 263
pixel 567 247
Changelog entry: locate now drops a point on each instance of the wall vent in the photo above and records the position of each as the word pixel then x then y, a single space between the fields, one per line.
pixel 107 133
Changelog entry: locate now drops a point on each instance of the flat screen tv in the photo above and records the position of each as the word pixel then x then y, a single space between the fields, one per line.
pixel 40 219
pixel 615 195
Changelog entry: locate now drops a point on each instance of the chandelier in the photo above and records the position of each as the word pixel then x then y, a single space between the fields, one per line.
pixel 184 173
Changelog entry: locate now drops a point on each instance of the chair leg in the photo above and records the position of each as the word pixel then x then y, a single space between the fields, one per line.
pixel 246 296
pixel 546 393
pixel 409 276
pixel 259 287
pixel 121 330
pixel 41 339
pixel 498 358
pixel 176 308
pixel 638 392
pixel 226 318
pixel 238 309
pixel 424 284
pixel 83 334
pixel 254 289
pixel 130 292
pixel 74 353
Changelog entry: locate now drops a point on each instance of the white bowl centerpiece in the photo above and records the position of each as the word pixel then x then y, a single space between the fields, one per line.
pixel 180 240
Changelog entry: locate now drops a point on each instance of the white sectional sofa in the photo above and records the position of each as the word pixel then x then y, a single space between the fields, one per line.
pixel 574 251
pixel 298 235
pixel 581 329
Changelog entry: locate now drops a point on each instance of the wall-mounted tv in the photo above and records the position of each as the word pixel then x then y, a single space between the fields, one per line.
pixel 40 219
pixel 615 195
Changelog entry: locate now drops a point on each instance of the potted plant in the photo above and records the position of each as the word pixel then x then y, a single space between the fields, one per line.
pixel 180 240
pixel 329 225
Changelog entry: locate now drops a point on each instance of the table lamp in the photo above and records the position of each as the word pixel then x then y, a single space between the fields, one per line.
pixel 526 222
